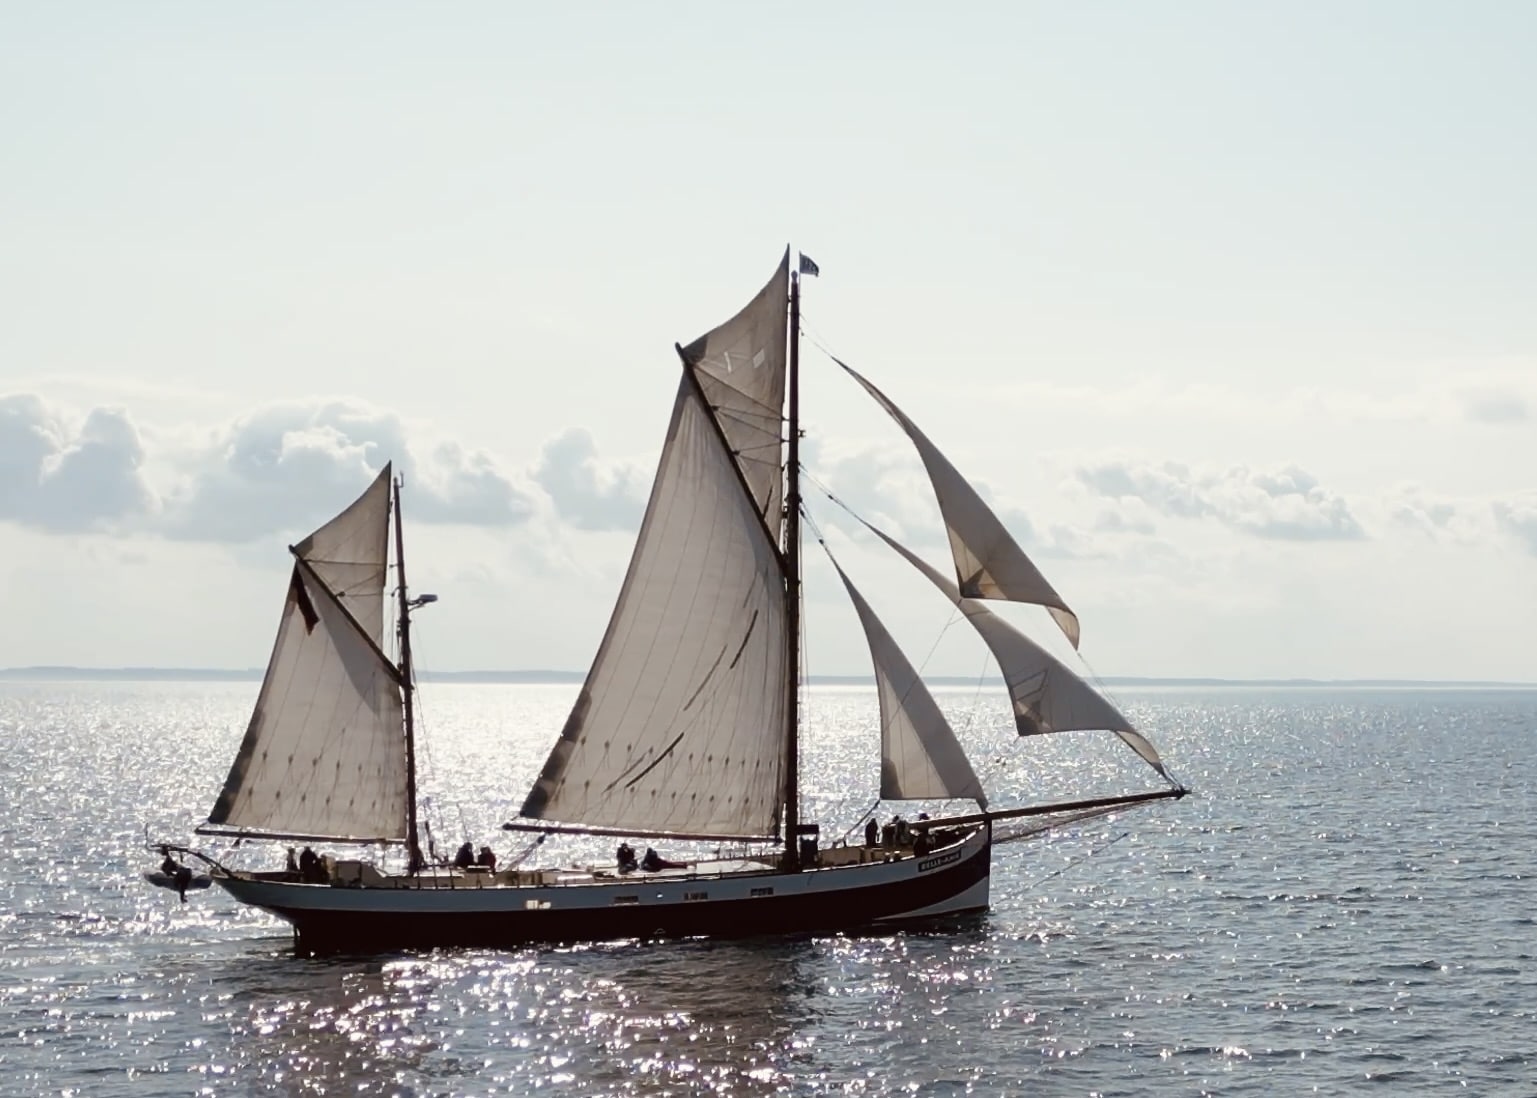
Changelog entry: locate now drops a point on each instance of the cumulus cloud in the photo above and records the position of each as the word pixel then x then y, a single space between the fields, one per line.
pixel 286 466
pixel 1518 519
pixel 58 479
pixel 1438 517
pixel 587 493
pixel 1284 504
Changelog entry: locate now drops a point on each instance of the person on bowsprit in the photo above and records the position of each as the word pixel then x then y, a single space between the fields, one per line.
pixel 180 875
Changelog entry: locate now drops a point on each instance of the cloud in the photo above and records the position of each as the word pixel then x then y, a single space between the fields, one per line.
pixel 1283 504
pixel 1440 518
pixel 58 480
pixel 587 493
pixel 290 466
pixel 1518 519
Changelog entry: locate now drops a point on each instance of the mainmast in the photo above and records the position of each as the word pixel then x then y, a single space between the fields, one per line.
pixel 792 553
pixel 407 688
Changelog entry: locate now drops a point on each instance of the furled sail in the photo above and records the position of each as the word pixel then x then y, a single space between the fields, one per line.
pixel 741 368
pixel 1046 695
pixel 988 562
pixel 920 757
pixel 324 755
pixel 681 725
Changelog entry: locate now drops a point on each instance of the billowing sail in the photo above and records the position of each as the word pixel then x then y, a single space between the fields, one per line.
pixel 741 368
pixel 1046 695
pixel 920 757
pixel 681 725
pixel 324 755
pixel 988 562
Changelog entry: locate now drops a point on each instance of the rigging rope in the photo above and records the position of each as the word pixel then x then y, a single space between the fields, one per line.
pixel 1077 861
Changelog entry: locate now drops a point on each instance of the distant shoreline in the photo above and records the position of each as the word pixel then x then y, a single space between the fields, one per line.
pixel 559 678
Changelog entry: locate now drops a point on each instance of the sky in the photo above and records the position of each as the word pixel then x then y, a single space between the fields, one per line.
pixel 1227 308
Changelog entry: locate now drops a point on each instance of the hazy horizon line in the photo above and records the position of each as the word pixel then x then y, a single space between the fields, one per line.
pixel 62 672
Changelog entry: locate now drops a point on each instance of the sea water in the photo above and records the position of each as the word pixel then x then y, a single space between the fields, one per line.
pixel 1344 906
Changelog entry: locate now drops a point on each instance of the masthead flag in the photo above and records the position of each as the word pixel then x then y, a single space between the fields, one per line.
pixel 808 265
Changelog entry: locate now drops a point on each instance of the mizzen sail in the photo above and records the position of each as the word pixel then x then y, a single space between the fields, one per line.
pixel 988 562
pixel 324 754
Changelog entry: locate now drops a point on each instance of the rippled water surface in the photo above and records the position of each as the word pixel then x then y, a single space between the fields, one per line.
pixel 1346 906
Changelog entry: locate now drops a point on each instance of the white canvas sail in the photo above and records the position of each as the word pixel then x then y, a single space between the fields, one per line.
pixel 741 368
pixel 920 757
pixel 988 562
pixel 324 754
pixel 349 555
pixel 1046 695
pixel 681 725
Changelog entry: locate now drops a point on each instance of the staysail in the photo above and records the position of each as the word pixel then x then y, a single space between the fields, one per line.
pixel 920 757
pixel 988 562
pixel 324 754
pixel 1046 695
pixel 681 725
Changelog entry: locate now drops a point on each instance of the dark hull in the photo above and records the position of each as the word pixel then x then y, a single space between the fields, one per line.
pixel 830 901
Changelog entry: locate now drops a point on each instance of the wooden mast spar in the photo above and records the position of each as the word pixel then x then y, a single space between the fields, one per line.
pixel 792 556
pixel 407 689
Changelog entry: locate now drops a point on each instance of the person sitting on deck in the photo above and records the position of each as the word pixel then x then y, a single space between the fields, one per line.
pixel 466 856
pixel 486 858
pixel 922 842
pixel 654 861
pixel 625 857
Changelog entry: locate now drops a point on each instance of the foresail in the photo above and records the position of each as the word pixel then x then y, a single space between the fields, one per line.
pixel 1046 695
pixel 920 757
pixel 681 725
pixel 989 563
pixel 350 552
pixel 324 753
pixel 741 368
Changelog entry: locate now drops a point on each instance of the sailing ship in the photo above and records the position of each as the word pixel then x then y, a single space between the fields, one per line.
pixel 687 726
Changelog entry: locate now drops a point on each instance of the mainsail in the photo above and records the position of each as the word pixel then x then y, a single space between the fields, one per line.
pixel 920 756
pixel 324 755
pixel 681 725
pixel 1046 695
pixel 988 562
